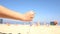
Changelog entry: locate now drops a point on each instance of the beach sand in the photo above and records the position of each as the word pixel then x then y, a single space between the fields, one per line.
pixel 27 29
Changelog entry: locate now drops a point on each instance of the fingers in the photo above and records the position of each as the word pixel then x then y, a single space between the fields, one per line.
pixel 29 16
pixel 28 19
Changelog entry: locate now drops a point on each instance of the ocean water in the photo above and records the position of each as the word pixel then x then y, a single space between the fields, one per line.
pixel 28 23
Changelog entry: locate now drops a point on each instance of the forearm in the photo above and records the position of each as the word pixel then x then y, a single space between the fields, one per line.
pixel 6 13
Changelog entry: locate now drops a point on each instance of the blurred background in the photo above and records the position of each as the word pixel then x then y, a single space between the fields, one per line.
pixel 46 11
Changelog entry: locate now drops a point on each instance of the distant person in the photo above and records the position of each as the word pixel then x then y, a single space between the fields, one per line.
pixel 53 23
pixel 6 13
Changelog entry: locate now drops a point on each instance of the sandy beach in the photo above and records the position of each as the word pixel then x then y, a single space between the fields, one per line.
pixel 27 29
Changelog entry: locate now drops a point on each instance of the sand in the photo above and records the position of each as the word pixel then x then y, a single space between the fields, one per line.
pixel 27 29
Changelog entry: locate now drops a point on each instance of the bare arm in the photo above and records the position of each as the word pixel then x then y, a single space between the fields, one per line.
pixel 6 13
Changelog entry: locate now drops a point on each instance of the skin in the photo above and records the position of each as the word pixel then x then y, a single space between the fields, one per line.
pixel 10 14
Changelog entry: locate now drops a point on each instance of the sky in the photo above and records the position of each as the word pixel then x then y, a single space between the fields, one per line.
pixel 45 10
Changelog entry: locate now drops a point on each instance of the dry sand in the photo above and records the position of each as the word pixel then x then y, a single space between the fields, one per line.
pixel 27 29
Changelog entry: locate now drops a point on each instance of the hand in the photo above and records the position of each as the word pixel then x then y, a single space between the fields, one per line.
pixel 28 16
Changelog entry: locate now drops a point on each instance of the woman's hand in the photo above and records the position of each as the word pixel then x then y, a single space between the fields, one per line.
pixel 28 16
